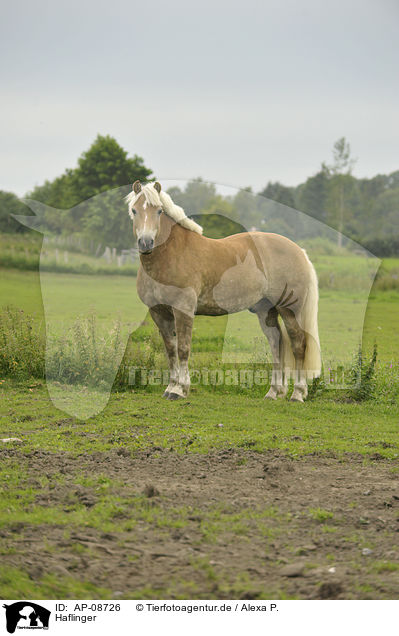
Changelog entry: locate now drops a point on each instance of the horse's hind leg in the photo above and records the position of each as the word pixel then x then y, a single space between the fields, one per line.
pixel 298 342
pixel 165 321
pixel 268 319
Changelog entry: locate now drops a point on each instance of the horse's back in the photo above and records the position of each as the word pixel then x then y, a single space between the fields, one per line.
pixel 266 239
pixel 271 251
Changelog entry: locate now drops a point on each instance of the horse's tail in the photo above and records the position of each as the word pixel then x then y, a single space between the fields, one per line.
pixel 312 362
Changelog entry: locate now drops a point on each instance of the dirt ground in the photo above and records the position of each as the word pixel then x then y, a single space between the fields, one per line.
pixel 332 530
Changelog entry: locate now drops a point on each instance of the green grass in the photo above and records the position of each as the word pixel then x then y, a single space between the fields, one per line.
pixel 138 420
pixel 344 272
pixel 18 584
pixel 385 566
pixel 320 515
pixel 66 297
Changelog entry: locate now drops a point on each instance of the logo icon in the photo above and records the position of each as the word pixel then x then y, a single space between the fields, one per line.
pixel 26 615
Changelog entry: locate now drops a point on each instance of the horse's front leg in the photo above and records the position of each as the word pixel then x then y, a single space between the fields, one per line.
pixel 163 317
pixel 184 327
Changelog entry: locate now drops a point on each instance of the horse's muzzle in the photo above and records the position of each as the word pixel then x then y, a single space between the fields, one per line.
pixel 145 245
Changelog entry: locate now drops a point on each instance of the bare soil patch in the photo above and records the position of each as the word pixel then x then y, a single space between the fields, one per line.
pixel 226 525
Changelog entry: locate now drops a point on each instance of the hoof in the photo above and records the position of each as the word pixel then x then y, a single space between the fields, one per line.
pixel 297 398
pixel 174 396
pixel 166 394
pixel 270 396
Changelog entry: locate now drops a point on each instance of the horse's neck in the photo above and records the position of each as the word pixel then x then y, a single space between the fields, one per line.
pixel 171 242
pixel 169 231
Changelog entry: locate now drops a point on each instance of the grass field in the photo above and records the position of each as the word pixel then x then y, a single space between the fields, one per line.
pixel 344 316
pixel 221 495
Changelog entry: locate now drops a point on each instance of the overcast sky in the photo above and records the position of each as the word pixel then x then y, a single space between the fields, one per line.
pixel 239 93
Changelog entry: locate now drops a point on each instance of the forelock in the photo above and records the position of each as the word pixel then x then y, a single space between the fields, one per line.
pixel 150 194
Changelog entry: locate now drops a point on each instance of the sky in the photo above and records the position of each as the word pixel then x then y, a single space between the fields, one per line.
pixel 238 93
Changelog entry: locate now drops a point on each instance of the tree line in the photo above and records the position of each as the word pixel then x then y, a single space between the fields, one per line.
pixel 366 210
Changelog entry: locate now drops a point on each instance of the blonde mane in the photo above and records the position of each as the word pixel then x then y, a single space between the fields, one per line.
pixel 163 200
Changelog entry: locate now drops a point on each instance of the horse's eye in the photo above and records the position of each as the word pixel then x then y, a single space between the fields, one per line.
pixel 159 211
pixel 133 211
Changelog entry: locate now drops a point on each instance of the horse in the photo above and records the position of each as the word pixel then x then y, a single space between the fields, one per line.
pixel 183 273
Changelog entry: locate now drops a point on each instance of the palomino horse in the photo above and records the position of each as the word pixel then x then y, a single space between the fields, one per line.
pixel 183 273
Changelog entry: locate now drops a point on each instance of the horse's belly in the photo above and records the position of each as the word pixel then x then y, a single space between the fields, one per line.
pixel 209 309
pixel 239 287
pixel 229 299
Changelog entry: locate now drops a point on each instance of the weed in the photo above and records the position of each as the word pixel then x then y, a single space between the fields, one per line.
pixel 320 515
pixel 362 380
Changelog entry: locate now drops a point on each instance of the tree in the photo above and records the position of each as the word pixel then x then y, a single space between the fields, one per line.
pixel 341 183
pixel 105 165
pixel 387 208
pixel 60 195
pixel 311 196
pixel 196 196
pixel 9 205
pixel 343 163
pixel 105 219
pixel 102 168
pixel 216 218
pixel 246 208
pixel 280 193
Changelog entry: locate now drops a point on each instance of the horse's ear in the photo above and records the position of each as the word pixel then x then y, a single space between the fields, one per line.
pixel 137 187
pixel 157 186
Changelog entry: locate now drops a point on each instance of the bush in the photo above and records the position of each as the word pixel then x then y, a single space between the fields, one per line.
pixel 387 279
pixel 24 252
pixel 382 247
pixel 83 355
pixel 22 345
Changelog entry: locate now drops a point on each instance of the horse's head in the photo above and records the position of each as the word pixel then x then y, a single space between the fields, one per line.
pixel 145 209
